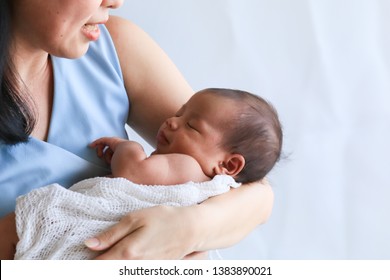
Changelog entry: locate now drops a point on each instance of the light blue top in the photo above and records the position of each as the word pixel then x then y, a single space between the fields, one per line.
pixel 90 101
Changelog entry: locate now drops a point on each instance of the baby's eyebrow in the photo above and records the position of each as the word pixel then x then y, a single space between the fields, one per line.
pixel 193 114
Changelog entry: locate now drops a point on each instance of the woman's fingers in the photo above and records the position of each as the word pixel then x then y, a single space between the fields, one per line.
pixel 111 236
pixel 125 249
pixel 151 233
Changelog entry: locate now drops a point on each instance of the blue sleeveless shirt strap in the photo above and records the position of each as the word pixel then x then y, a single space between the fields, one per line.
pixel 90 101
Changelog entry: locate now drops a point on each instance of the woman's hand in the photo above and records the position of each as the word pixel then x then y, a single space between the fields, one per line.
pixel 163 232
pixel 159 232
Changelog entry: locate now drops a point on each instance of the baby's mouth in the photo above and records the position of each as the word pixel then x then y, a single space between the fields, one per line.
pixel 161 138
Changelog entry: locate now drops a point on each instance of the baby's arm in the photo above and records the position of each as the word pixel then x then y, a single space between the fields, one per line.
pixel 9 238
pixel 129 160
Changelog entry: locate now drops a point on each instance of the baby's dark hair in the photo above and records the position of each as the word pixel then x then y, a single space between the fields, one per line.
pixel 255 133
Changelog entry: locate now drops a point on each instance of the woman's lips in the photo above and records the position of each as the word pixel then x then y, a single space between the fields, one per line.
pixel 91 31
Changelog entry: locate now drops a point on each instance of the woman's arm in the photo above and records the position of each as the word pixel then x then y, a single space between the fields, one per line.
pixel 9 238
pixel 224 220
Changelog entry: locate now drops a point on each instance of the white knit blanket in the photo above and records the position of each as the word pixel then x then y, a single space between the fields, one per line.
pixel 53 222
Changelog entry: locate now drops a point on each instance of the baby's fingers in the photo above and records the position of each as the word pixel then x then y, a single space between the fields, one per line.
pixel 108 153
pixel 99 148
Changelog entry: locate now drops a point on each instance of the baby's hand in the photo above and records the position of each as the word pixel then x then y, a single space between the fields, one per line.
pixel 105 147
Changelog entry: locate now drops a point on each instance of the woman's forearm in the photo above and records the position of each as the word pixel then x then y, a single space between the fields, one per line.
pixel 224 220
pixel 8 238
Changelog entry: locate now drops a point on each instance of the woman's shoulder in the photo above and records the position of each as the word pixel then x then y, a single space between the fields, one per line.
pixel 126 35
pixel 133 46
pixel 122 29
pixel 117 25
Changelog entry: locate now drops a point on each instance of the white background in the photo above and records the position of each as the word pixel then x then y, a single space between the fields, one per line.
pixel 325 65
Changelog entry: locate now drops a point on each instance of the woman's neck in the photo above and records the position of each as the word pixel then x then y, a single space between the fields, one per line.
pixel 35 72
pixel 30 64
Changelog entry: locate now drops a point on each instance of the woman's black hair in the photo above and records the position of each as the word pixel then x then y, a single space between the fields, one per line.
pixel 16 117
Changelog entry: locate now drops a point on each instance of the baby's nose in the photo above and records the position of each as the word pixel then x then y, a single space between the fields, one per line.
pixel 172 123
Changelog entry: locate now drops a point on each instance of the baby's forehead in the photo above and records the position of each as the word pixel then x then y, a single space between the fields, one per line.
pixel 211 99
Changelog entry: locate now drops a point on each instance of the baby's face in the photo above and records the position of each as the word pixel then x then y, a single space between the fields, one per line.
pixel 197 130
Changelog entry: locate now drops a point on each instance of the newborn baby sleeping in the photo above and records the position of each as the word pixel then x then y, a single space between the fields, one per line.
pixel 219 137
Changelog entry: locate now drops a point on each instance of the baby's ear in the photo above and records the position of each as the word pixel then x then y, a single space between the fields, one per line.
pixel 232 165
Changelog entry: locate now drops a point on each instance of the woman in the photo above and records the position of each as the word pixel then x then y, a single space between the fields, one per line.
pixel 69 75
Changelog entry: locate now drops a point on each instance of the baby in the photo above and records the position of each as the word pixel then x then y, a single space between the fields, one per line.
pixel 218 131
pixel 230 133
